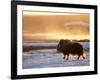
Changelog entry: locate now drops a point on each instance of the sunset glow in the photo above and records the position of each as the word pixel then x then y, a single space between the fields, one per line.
pixel 55 26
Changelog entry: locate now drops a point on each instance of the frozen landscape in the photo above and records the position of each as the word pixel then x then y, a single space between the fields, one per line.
pixel 43 58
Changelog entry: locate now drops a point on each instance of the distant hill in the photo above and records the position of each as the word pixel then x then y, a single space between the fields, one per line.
pixel 85 40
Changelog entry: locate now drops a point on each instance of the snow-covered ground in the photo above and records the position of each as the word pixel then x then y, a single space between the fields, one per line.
pixel 51 58
pixel 40 43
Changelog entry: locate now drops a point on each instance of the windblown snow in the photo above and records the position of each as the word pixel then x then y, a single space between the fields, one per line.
pixel 45 58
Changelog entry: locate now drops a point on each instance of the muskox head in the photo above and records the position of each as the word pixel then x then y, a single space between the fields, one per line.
pixel 61 44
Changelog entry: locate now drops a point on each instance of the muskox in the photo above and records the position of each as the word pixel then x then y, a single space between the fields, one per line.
pixel 70 47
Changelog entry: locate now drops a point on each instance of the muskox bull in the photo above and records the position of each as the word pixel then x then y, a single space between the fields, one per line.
pixel 70 47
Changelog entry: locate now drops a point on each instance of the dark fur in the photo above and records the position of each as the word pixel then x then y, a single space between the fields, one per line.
pixel 69 47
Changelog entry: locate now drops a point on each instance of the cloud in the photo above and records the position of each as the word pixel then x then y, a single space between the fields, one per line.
pixel 76 23
pixel 44 34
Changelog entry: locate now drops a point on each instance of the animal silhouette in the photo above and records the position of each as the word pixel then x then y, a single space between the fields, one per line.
pixel 70 47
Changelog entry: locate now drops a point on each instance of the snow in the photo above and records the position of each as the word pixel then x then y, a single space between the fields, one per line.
pixel 51 58
pixel 40 43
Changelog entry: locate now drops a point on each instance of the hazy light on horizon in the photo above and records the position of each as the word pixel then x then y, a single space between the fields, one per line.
pixel 55 26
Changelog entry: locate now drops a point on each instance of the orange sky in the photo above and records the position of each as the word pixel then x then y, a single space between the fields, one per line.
pixel 55 26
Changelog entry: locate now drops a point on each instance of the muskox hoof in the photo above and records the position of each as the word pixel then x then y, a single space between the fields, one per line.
pixel 83 57
pixel 67 59
pixel 78 58
pixel 64 57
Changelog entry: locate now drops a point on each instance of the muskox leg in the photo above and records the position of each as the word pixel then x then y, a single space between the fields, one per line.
pixel 83 57
pixel 78 57
pixel 64 56
pixel 67 57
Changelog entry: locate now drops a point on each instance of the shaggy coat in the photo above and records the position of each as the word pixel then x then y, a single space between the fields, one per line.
pixel 70 47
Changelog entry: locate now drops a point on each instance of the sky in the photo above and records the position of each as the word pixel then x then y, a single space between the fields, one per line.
pixel 46 26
